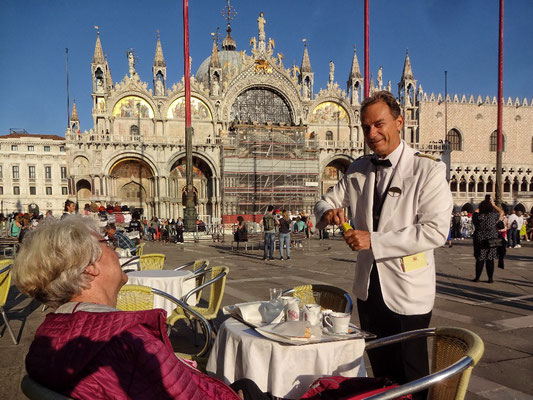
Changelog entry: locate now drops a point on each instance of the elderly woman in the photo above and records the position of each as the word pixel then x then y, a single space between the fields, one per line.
pixel 87 349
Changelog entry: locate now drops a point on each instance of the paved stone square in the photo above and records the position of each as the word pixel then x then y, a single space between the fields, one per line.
pixel 501 313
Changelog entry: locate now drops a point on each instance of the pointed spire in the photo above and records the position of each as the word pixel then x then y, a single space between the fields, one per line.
pixel 215 62
pixel 407 71
pixel 159 59
pixel 306 63
pixel 74 115
pixel 355 71
pixel 98 53
pixel 108 78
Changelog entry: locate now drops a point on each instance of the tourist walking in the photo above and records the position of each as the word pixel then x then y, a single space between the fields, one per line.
pixel 269 223
pixel 486 237
pixel 285 234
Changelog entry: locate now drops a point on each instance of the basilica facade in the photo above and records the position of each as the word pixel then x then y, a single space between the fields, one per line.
pixel 265 133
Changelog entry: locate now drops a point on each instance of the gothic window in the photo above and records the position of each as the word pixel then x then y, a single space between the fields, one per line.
pixel 523 186
pixel 516 185
pixel 134 130
pixel 462 185
pixel 507 185
pixel 261 105
pixel 480 186
pixel 329 135
pixel 489 187
pixel 454 139
pixel 494 141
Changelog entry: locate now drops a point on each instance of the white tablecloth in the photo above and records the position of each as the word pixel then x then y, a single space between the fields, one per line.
pixel 172 282
pixel 283 370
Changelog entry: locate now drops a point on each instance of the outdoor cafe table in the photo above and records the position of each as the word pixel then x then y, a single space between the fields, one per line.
pixel 283 370
pixel 172 282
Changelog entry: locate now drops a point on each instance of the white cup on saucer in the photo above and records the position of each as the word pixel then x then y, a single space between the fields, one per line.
pixel 339 322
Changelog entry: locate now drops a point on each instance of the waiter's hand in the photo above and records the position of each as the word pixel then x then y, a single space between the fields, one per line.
pixel 333 217
pixel 357 240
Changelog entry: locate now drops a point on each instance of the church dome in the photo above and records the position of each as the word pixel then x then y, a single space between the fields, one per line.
pixel 232 57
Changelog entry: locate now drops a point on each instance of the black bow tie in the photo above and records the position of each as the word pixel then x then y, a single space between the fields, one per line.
pixel 381 163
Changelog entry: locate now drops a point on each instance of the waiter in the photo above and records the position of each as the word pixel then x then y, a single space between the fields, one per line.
pixel 400 204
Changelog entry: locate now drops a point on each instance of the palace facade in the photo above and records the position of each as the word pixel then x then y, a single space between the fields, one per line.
pixel 264 133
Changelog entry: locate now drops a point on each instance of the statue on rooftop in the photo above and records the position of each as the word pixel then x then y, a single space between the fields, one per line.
pixel 261 25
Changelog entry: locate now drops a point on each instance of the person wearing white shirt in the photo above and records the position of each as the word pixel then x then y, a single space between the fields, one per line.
pixel 400 205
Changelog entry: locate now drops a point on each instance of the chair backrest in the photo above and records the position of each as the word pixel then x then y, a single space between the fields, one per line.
pixel 199 266
pixel 455 353
pixel 449 346
pixel 329 297
pixel 139 298
pixel 5 280
pixel 135 298
pixel 139 249
pixel 217 288
pixel 35 391
pixel 151 261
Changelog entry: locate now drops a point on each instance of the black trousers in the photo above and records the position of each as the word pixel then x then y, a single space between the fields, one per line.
pixel 402 362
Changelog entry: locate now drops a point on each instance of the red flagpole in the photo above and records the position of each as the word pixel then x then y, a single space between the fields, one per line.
pixel 499 152
pixel 367 66
pixel 187 69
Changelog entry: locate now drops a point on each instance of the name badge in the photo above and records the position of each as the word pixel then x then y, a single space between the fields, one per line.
pixel 414 262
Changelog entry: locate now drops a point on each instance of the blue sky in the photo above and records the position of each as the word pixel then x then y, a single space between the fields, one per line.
pixel 460 36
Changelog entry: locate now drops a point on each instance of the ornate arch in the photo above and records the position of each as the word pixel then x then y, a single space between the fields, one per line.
pixel 275 81
pixel 353 116
pixel 341 157
pixel 200 96
pixel 455 138
pixel 132 156
pixel 215 170
pixel 149 108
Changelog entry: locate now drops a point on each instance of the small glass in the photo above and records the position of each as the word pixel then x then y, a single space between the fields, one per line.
pixel 275 293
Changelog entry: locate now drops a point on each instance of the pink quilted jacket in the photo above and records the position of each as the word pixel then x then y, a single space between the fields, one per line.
pixel 115 355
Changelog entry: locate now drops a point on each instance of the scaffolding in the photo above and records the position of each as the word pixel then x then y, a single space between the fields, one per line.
pixel 267 164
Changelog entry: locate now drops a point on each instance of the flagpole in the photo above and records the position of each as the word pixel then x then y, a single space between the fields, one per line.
pixel 499 152
pixel 366 150
pixel 68 99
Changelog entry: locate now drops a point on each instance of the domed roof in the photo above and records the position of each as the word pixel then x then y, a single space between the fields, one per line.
pixel 224 56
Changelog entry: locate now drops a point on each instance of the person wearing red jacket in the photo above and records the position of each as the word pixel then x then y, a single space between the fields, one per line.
pixel 87 349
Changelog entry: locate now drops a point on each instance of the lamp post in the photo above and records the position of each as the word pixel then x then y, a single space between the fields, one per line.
pixel 189 215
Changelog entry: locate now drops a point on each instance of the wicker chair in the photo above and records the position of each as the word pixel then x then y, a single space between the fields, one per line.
pixel 35 391
pixel 329 297
pixel 151 261
pixel 218 282
pixel 455 353
pixel 139 249
pixel 137 298
pixel 5 283
pixel 198 266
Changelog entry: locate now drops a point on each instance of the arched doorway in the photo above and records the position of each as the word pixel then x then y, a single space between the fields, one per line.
pixel 333 172
pixel 202 185
pixel 83 189
pixel 133 184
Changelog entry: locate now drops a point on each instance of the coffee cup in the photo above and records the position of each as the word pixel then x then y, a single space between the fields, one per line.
pixel 312 314
pixel 292 309
pixel 338 322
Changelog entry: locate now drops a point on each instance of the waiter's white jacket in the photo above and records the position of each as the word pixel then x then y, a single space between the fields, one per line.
pixel 415 218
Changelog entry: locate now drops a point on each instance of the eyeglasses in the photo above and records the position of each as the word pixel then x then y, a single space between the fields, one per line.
pixel 109 243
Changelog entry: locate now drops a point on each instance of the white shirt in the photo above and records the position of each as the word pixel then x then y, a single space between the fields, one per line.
pixel 384 174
